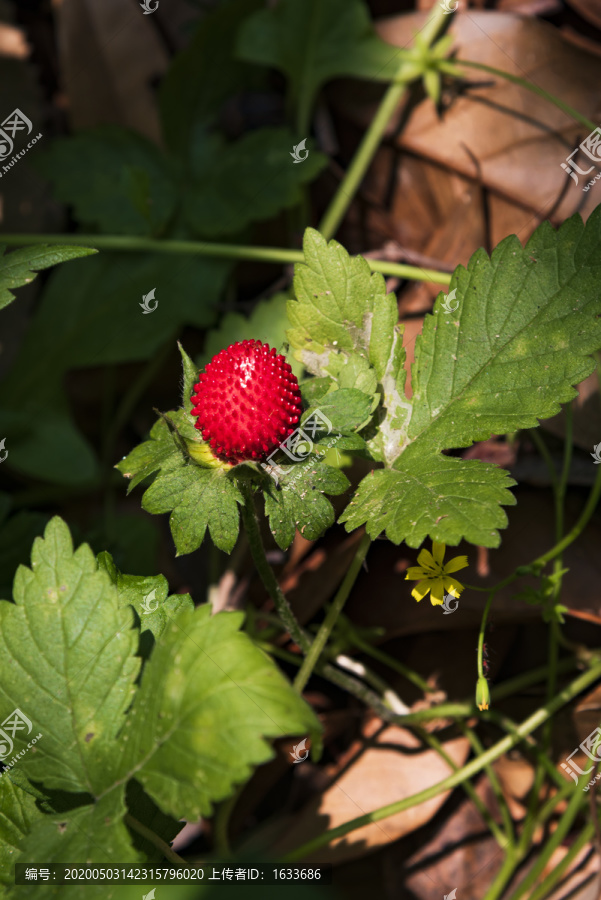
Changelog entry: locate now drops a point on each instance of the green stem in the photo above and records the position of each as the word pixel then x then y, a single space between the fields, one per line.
pixel 561 831
pixel 251 524
pixel 482 633
pixel 155 840
pixel 476 765
pixel 282 256
pixel 559 868
pixel 534 88
pixel 508 835
pixel 330 620
pixel 221 824
pixel 371 140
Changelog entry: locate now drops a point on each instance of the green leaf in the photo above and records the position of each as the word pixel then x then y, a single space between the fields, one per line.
pixel 267 322
pixel 520 339
pixel 205 74
pixel 431 495
pixel 87 834
pixel 67 661
pixel 235 183
pixel 90 315
pixel 313 42
pixel 298 502
pixel 19 267
pixel 116 180
pixel 18 811
pixel 346 409
pixel 196 497
pixel 16 537
pixel 148 595
pixel 207 701
pixel 190 376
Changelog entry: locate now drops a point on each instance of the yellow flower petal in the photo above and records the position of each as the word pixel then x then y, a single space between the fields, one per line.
pixel 438 552
pixel 425 559
pixel 420 590
pixel 452 586
pixel 415 573
pixel 453 565
pixel 437 592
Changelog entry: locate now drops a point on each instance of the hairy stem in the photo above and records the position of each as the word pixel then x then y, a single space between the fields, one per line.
pixel 155 840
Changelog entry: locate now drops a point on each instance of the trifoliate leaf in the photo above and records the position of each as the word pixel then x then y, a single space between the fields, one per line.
pixel 20 267
pixel 298 502
pixel 313 42
pixel 67 662
pixel 207 701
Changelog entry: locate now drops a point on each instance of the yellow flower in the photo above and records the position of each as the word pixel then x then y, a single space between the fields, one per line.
pixel 435 577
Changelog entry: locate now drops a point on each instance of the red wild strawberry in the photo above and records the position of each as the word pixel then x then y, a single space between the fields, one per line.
pixel 247 402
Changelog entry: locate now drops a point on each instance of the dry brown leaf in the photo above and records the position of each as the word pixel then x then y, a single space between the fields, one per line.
pixel 110 54
pixel 389 770
pixel 517 139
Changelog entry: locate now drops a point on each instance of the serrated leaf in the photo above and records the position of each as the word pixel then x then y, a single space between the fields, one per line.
pixel 18 811
pixel 93 834
pixel 148 595
pixel 518 341
pixel 235 183
pixel 346 409
pixel 76 685
pixel 21 266
pixel 299 502
pixel 433 495
pixel 132 190
pixel 197 499
pixel 313 42
pixel 207 701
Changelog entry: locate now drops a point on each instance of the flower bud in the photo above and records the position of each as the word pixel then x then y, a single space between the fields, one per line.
pixel 482 693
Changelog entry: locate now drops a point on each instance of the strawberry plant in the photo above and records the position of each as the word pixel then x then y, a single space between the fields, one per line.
pixel 149 708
